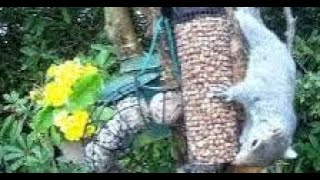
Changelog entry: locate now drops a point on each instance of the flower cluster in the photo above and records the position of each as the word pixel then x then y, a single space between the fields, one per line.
pixel 61 79
pixel 74 126
pixel 64 76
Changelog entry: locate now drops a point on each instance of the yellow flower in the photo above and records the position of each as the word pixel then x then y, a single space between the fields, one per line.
pixel 82 117
pixel 68 73
pixel 52 71
pixel 72 126
pixel 74 133
pixel 35 95
pixel 90 130
pixel 56 94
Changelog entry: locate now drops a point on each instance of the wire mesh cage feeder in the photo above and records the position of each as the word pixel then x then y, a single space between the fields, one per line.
pixel 141 78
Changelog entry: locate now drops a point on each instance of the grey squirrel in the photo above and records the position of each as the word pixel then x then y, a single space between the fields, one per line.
pixel 267 94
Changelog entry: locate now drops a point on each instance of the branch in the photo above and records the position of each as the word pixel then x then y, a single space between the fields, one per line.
pixel 291 22
pixel 290 33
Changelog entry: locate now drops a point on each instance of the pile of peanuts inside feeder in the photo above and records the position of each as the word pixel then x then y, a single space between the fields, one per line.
pixel 203 46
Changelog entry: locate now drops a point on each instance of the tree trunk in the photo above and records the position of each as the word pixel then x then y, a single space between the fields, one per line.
pixel 121 33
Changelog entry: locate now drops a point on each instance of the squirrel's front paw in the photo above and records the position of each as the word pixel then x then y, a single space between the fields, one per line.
pixel 220 91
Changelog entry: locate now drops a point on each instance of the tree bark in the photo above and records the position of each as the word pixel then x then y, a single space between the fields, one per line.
pixel 120 32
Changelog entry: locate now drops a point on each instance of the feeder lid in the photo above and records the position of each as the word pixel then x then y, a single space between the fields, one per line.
pixel 183 14
pixel 138 63
pixel 124 85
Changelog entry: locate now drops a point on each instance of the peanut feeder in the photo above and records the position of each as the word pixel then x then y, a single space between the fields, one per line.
pixel 203 39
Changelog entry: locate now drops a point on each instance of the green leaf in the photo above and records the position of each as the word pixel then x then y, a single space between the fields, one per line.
pixel 28 51
pixel 155 132
pixel 43 120
pixel 17 164
pixel 19 128
pixel 55 136
pixel 6 125
pixel 11 149
pixel 36 151
pixel 314 141
pixel 31 161
pixel 110 61
pixel 86 92
pixel 12 156
pixel 22 142
pixel 102 113
pixel 102 57
pixel 1 152
pixel 66 16
pixel 13 131
pixel 99 47
pixel 30 140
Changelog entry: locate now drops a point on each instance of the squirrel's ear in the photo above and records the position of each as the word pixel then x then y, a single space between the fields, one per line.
pixel 290 153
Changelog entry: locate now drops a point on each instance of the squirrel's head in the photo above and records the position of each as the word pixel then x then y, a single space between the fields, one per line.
pixel 265 145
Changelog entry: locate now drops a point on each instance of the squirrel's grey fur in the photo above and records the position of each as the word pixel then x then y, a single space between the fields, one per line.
pixel 267 94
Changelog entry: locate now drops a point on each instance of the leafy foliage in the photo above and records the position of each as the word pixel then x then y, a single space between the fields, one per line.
pixel 308 107
pixel 155 157
pixel 21 150
pixel 86 92
pixel 33 38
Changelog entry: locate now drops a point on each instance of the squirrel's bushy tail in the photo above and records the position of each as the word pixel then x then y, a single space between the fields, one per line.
pixel 253 28
pixel 253 11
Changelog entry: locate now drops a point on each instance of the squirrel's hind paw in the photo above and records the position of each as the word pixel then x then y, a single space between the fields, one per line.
pixel 290 153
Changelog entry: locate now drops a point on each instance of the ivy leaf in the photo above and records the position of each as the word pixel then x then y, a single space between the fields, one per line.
pixel 86 92
pixel 43 120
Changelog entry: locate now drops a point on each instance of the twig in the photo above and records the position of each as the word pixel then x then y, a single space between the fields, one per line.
pixel 290 33
pixel 291 22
